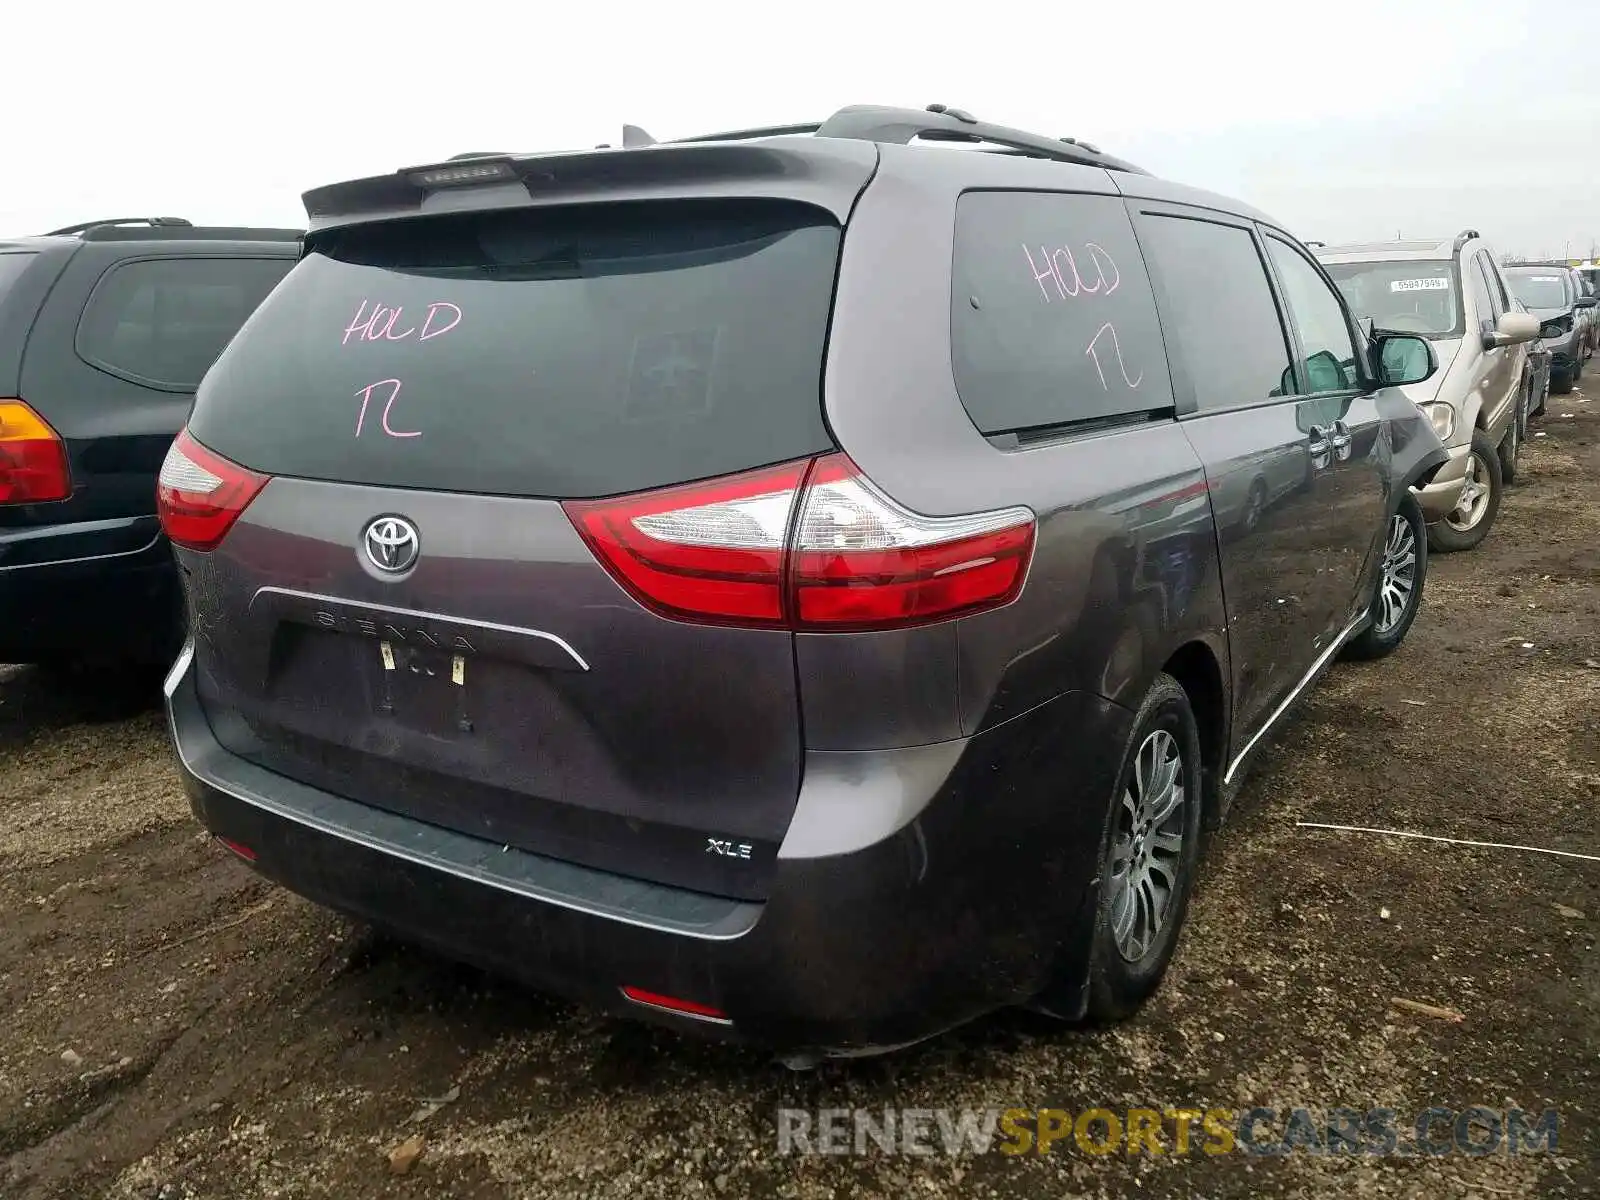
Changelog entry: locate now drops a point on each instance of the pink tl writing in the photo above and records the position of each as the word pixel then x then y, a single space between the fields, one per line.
pixel 1116 346
pixel 1060 272
pixel 365 394
pixel 379 324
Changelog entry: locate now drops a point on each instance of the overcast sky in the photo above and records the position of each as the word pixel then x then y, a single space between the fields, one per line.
pixel 1354 119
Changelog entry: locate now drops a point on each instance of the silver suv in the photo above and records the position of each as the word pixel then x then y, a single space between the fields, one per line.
pixel 1453 294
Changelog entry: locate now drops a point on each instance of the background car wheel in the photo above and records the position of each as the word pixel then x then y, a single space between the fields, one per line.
pixel 1254 505
pixel 1511 450
pixel 1474 514
pixel 1561 384
pixel 1152 843
pixel 1398 593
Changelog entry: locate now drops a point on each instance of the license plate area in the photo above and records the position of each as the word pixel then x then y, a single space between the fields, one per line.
pixel 423 688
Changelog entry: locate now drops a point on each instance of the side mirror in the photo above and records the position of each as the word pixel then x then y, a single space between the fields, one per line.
pixel 1511 329
pixel 1587 301
pixel 1405 358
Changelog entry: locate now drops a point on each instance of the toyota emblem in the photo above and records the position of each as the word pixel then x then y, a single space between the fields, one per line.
pixel 391 544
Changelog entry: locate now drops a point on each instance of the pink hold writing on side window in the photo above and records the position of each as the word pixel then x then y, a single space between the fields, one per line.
pixel 1060 272
pixel 389 324
pixel 365 394
pixel 1116 346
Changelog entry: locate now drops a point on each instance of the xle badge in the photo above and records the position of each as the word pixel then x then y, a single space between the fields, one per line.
pixel 727 848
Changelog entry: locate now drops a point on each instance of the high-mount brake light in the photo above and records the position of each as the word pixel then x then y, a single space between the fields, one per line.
pixel 809 545
pixel 33 458
pixel 200 494
pixel 463 173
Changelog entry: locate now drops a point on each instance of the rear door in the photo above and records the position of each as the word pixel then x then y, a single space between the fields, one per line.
pixel 1235 383
pixel 407 616
pixel 1340 414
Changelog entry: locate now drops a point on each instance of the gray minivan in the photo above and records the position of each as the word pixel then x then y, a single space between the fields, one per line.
pixel 810 586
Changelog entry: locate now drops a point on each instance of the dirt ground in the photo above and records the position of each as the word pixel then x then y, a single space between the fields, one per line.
pixel 174 1027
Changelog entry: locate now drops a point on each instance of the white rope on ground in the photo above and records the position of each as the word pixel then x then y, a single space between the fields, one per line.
pixel 1428 837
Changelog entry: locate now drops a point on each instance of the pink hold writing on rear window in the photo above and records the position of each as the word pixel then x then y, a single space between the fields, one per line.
pixel 385 324
pixel 1057 270
pixel 365 395
pixel 1115 346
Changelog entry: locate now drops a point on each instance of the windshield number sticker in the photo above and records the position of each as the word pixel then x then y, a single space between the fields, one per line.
pixel 1434 284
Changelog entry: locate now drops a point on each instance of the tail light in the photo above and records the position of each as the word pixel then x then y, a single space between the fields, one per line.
pixel 807 545
pixel 200 494
pixel 33 458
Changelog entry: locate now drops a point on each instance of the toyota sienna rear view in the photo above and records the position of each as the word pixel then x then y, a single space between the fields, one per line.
pixel 793 586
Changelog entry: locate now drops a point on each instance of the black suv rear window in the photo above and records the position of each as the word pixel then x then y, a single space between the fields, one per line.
pixel 560 353
pixel 163 321
pixel 1052 320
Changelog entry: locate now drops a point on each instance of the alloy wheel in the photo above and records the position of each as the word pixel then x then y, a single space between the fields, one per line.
pixel 1398 580
pixel 1147 845
pixel 1475 493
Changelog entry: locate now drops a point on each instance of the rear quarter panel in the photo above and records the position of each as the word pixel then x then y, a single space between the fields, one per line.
pixel 1125 566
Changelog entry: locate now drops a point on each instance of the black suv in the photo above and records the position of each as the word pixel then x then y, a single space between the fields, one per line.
pixel 105 331
pixel 797 585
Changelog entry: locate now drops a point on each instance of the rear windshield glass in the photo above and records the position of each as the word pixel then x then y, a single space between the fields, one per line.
pixel 163 321
pixel 558 353
pixel 1540 289
pixel 12 265
pixel 1408 297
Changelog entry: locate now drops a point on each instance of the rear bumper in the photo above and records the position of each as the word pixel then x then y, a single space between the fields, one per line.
pixel 98 588
pixel 1439 496
pixel 917 889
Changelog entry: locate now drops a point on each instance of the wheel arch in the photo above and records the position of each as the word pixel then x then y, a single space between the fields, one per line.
pixel 1199 671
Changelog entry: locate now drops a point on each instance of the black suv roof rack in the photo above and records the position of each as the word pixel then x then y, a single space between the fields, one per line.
pixel 163 222
pixel 936 123
pixel 153 229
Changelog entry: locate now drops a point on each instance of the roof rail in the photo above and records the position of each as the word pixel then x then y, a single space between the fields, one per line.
pixel 178 222
pixel 941 123
pixel 936 123
pixel 1462 238
pixel 188 233
pixel 741 135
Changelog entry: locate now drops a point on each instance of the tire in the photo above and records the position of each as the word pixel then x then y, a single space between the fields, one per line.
pixel 1577 369
pixel 1454 533
pixel 1511 446
pixel 1406 535
pixel 1125 969
pixel 1562 383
